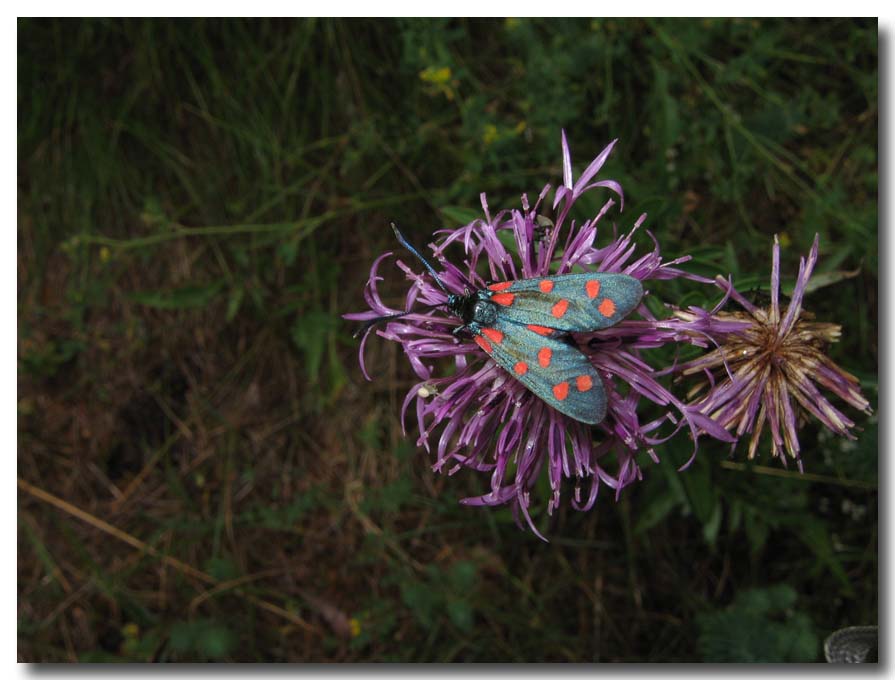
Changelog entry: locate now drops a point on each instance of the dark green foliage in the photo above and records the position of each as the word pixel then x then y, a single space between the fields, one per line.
pixel 200 200
pixel 207 640
pixel 439 595
pixel 761 626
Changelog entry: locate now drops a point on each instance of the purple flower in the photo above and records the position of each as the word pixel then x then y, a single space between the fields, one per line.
pixel 473 414
pixel 769 367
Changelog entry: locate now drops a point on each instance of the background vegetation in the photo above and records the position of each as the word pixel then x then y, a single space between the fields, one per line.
pixel 203 472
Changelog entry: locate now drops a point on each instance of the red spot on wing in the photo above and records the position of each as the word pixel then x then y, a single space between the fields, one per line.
pixel 521 368
pixel 561 391
pixel 560 308
pixel 484 344
pixel 546 285
pixel 607 307
pixel 493 335
pixel 544 356
pixel 540 330
pixel 593 288
pixel 499 287
pixel 584 383
pixel 505 299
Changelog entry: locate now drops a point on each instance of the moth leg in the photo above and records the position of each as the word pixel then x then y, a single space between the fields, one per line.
pixel 567 339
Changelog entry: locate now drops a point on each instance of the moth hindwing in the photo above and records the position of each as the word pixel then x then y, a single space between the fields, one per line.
pixel 554 370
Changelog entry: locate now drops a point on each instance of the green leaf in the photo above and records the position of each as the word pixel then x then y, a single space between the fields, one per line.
pixel 757 531
pixel 815 535
pixel 463 576
pixel 337 377
pixel 759 627
pixel 287 250
pixel 734 515
pixel 44 361
pixel 390 498
pixel 187 297
pixel 460 614
pixel 420 599
pixel 828 279
pixel 100 656
pixel 310 334
pixel 233 304
pixel 666 112
pixel 222 568
pixel 215 641
pixel 203 638
pixel 730 260
pixel 713 525
pixel 655 510
pixel 701 494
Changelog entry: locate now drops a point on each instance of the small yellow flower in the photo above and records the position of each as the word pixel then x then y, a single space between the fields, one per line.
pixel 440 79
pixel 436 76
pixel 354 623
pixel 490 134
pixel 105 254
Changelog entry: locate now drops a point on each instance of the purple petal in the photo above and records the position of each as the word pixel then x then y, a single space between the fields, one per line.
pixel 775 282
pixel 612 185
pixel 566 164
pixel 795 304
pixel 593 169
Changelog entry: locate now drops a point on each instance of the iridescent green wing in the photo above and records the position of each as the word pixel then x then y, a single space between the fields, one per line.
pixel 569 302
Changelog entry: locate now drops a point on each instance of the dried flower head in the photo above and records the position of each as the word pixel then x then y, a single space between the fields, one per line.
pixel 769 367
pixel 472 412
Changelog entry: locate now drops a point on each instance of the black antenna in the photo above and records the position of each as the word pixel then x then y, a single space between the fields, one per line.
pixel 369 323
pixel 388 317
pixel 404 242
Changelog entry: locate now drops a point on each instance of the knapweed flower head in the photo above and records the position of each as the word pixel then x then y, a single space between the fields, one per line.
pixel 472 413
pixel 769 367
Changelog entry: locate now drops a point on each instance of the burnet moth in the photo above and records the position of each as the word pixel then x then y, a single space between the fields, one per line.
pixel 524 326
